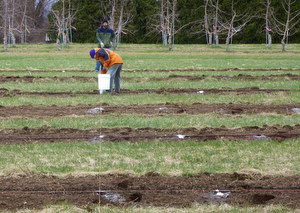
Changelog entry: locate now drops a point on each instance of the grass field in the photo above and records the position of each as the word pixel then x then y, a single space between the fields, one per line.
pixel 187 157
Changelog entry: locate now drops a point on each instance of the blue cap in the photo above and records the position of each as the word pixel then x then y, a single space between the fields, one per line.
pixel 92 53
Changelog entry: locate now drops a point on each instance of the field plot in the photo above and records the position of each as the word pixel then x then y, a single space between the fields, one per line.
pixel 201 131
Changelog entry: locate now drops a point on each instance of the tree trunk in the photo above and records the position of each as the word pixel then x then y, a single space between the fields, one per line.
pixel 268 36
pixel 12 29
pixel 216 39
pixel 230 30
pixel 269 45
pixel 210 38
pixel 283 45
pixel 25 31
pixel 284 38
pixel 215 27
pixel 5 26
pixel 58 43
pixel 165 38
pixel 228 44
pixel 119 31
pixel 23 24
pixel 162 24
pixel 286 31
pixel 170 43
pixel 206 27
pixel 229 39
pixel 172 27
pixel 173 21
pixel 69 23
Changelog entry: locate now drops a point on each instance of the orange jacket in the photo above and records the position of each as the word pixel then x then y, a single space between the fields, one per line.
pixel 107 58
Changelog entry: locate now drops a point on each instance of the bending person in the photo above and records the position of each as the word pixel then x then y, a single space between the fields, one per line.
pixel 112 64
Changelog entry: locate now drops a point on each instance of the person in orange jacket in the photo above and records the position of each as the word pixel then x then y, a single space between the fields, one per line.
pixel 111 64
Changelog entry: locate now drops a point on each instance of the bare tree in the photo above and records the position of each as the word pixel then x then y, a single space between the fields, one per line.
pixel 162 24
pixel 124 18
pixel 5 17
pixel 211 17
pixel 267 4
pixel 167 22
pixel 215 3
pixel 63 22
pixel 233 23
pixel 208 33
pixel 8 17
pixel 21 17
pixel 23 29
pixel 11 24
pixel 119 14
pixel 285 27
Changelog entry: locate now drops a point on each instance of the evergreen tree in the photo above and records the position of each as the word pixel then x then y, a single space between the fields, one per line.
pixel 140 28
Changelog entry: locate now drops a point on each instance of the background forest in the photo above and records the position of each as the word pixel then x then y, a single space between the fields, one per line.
pixel 141 21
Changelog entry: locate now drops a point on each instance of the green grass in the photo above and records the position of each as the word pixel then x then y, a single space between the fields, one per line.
pixel 163 122
pixel 147 74
pixel 72 85
pixel 44 56
pixel 64 208
pixel 173 158
pixel 258 98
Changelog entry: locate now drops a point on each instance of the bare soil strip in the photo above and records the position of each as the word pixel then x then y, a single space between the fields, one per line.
pixel 247 90
pixel 186 77
pixel 167 70
pixel 148 109
pixel 48 134
pixel 151 189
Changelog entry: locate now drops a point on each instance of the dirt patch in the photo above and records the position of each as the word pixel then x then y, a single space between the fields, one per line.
pixel 186 77
pixel 151 189
pixel 247 90
pixel 33 78
pixel 212 69
pixel 48 134
pixel 149 109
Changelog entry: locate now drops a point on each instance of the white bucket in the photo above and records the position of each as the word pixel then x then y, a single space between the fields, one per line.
pixel 103 82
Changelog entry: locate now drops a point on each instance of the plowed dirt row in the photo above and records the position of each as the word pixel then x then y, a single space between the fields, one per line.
pixel 246 90
pixel 152 109
pixel 186 77
pixel 151 189
pixel 48 134
pixel 164 70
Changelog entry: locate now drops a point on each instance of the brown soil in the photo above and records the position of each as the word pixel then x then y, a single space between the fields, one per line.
pixel 186 77
pixel 246 90
pixel 33 78
pixel 168 70
pixel 149 109
pixel 151 189
pixel 48 134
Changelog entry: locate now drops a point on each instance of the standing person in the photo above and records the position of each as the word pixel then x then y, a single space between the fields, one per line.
pixel 112 64
pixel 105 37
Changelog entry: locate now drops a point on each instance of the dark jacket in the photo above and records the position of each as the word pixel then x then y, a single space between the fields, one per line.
pixel 106 36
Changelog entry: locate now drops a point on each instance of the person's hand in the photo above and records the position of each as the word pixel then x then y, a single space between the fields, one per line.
pixel 101 44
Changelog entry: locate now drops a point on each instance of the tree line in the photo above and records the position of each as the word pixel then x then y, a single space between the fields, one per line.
pixel 22 21
pixel 156 21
